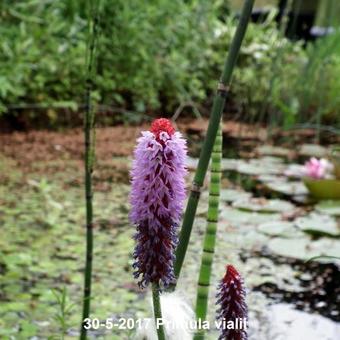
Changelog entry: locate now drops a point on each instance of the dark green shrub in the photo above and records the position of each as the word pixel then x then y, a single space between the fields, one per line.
pixel 155 56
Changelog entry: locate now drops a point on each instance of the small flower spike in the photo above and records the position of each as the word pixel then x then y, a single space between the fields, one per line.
pixel 157 197
pixel 232 312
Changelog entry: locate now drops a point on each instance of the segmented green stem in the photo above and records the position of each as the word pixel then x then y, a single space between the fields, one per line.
pixel 157 312
pixel 215 117
pixel 89 136
pixel 210 234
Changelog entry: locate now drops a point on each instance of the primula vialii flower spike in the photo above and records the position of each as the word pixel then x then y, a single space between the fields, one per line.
pixel 157 196
pixel 232 306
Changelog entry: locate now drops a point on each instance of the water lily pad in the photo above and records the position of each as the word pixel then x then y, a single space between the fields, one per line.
pixel 315 223
pixel 250 239
pixel 270 178
pixel 279 228
pixel 248 168
pixel 288 188
pixel 329 207
pixel 231 195
pixel 228 164
pixel 294 171
pixel 305 248
pixel 297 248
pixel 274 151
pixel 260 166
pixel 272 159
pixel 236 217
pixel 263 205
pixel 313 150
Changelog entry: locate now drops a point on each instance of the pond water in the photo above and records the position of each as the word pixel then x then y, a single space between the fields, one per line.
pixel 268 229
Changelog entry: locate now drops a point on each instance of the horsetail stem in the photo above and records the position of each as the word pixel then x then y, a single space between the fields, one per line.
pixel 215 117
pixel 210 233
pixel 89 136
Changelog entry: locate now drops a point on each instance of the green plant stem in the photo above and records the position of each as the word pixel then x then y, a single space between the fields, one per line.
pixel 88 163
pixel 210 234
pixel 296 12
pixel 215 117
pixel 157 310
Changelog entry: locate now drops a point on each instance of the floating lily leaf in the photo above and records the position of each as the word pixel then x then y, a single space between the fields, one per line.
pixel 257 167
pixel 294 171
pixel 228 164
pixel 272 159
pixel 270 178
pixel 288 188
pixel 231 195
pixel 279 228
pixel 305 248
pixel 273 151
pixel 263 205
pixel 249 238
pixel 315 223
pixel 297 248
pixel 313 150
pixel 329 207
pixel 236 217
pixel 264 270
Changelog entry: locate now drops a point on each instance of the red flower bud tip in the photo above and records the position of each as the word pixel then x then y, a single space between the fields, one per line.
pixel 162 125
pixel 231 274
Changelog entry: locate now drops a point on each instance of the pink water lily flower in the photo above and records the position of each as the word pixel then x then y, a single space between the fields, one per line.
pixel 318 168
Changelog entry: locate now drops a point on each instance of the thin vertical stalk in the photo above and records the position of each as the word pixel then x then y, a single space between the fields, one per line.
pixel 281 11
pixel 89 134
pixel 210 234
pixel 275 71
pixel 157 310
pixel 215 117
pixel 322 86
pixel 296 12
pixel 322 72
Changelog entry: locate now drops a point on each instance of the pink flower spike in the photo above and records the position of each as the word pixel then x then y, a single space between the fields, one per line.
pixel 157 197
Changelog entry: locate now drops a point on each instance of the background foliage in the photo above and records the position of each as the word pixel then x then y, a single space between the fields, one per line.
pixel 154 57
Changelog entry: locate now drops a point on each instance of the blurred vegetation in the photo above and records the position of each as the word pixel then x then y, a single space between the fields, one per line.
pixel 157 56
pixel 237 4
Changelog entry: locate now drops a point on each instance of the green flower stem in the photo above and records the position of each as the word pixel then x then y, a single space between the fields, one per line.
pixel 210 234
pixel 214 121
pixel 89 136
pixel 157 311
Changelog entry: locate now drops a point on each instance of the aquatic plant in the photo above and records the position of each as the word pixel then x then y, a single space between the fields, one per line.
pixel 318 168
pixel 210 233
pixel 157 196
pixel 214 121
pixel 89 137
